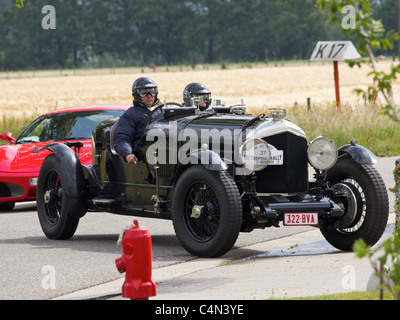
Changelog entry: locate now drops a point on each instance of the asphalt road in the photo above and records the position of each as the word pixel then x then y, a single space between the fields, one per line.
pixel 34 267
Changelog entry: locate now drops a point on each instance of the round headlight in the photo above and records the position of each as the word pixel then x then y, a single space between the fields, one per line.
pixel 255 154
pixel 322 153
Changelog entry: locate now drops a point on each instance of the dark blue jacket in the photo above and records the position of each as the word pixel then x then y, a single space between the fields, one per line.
pixel 130 129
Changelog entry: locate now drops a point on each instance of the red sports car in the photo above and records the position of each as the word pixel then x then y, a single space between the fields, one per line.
pixel 19 167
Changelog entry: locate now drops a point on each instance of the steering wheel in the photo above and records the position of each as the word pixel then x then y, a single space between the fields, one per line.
pixel 148 119
pixel 173 104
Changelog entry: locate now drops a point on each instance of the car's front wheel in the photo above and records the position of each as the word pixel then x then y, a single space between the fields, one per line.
pixel 207 212
pixel 368 205
pixel 54 203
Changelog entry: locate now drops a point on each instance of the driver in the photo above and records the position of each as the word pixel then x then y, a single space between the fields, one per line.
pixel 131 125
pixel 200 94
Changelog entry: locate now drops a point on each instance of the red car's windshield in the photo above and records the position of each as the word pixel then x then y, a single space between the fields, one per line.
pixel 65 126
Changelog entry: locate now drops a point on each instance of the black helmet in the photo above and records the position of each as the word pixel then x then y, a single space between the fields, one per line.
pixel 199 90
pixel 142 87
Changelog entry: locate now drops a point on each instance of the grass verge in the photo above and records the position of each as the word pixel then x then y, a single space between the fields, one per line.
pixel 15 125
pixel 372 130
pixel 357 295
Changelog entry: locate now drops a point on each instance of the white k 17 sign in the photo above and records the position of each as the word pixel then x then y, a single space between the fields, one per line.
pixel 334 51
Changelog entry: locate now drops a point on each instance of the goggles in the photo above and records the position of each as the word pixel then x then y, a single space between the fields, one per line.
pixel 144 92
pixel 201 99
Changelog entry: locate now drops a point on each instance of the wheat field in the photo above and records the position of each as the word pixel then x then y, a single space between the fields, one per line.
pixel 261 87
pixel 25 95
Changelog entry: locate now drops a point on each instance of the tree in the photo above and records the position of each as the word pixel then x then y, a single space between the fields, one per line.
pixel 387 265
pixel 369 35
pixel 295 27
pixel 161 28
pixel 143 32
pixel 387 11
pixel 19 3
pixel 212 19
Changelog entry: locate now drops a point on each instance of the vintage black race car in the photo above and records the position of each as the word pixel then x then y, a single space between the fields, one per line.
pixel 216 174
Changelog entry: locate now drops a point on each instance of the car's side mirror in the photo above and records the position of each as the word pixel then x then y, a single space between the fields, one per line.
pixel 7 136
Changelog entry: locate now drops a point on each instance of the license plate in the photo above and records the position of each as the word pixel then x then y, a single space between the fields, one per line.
pixel 300 219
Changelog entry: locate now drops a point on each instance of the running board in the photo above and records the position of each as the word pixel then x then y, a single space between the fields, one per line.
pixel 102 202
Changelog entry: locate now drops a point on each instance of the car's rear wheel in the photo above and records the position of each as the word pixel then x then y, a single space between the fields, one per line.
pixel 54 204
pixel 207 212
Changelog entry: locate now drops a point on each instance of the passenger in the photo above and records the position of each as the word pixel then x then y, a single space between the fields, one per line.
pixel 131 125
pixel 200 94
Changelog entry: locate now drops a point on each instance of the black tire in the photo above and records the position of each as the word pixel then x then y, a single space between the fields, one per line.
pixel 4 193
pixel 371 220
pixel 7 206
pixel 54 203
pixel 215 229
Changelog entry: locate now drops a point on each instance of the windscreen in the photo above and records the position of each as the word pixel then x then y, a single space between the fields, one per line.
pixel 65 126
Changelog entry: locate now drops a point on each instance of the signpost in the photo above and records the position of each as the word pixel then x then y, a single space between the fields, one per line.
pixel 335 51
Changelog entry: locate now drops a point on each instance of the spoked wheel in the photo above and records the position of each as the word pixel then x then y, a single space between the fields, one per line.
pixel 362 194
pixel 202 210
pixel 52 198
pixel 207 212
pixel 54 203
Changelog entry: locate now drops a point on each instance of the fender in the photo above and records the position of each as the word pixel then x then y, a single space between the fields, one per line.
pixel 210 160
pixel 74 184
pixel 360 154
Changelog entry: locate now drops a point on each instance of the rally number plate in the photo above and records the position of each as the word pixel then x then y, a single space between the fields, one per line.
pixel 300 219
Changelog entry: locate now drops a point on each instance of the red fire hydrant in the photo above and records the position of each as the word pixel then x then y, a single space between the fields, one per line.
pixel 136 260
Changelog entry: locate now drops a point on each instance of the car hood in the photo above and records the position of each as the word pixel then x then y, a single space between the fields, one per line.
pixel 8 156
pixel 19 158
pixel 249 126
pixel 270 127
